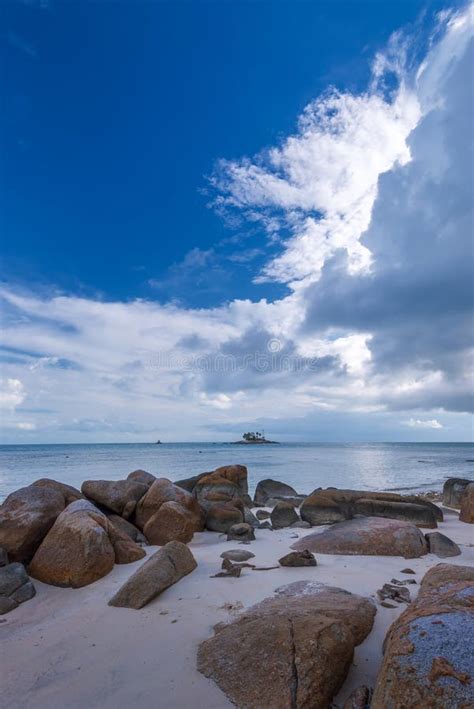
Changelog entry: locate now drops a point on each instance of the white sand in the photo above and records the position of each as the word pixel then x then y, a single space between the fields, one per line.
pixel 68 648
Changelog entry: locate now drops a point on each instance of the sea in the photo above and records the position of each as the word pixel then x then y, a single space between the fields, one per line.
pixel 399 467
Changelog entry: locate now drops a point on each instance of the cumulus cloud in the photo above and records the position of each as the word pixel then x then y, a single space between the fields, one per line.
pixel 370 201
pixel 420 423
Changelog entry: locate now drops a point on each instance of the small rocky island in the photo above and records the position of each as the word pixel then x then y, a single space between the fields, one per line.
pixel 253 438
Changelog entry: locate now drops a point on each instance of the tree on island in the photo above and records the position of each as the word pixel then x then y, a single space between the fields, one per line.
pixel 253 436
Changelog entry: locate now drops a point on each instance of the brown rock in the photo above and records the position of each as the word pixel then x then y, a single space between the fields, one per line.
pixel 394 593
pixel 298 558
pixel 283 515
pixel 120 496
pixel 467 505
pixel 441 545
pixel 162 491
pixel 170 522
pixel 428 660
pixel 70 493
pixel 26 516
pixel 367 536
pixel 141 476
pixel 453 490
pixel 241 533
pixel 221 517
pixel 127 528
pixel 310 632
pixel 81 547
pixel 164 568
pixel 215 488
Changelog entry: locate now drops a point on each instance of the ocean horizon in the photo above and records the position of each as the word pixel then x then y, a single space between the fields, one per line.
pixel 394 467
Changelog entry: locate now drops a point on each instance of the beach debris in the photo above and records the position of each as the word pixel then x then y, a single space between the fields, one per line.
pixel 15 587
pixel 427 658
pixel 241 532
pixel 163 569
pixel 441 545
pixel 310 630
pixel 298 558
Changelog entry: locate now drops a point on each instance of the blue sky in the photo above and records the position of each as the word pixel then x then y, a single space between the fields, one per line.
pixel 181 180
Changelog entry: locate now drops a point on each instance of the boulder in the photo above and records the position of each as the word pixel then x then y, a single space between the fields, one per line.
pixel 467 505
pixel 127 528
pixel 300 524
pixel 237 555
pixel 441 545
pixel 331 506
pixel 164 568
pixel 15 587
pixel 309 633
pixel 273 489
pixel 221 517
pixel 236 474
pixel 160 492
pixel 70 493
pixel 262 514
pixel 250 518
pixel 367 536
pixel 241 533
pixel 141 476
pixel 283 515
pixel 215 488
pixel 453 489
pixel 81 547
pixel 26 516
pixel 119 496
pixel 298 558
pixel 428 660
pixel 171 522
pixel 3 557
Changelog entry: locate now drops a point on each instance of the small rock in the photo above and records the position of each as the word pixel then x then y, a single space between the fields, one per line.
pixel 407 571
pixel 237 555
pixel 235 571
pixel 262 514
pixel 300 524
pixel 228 565
pixel 395 593
pixel 242 532
pixel 298 558
pixel 283 515
pixel 265 525
pixel 386 604
pixel 15 587
pixel 405 582
pixel 441 545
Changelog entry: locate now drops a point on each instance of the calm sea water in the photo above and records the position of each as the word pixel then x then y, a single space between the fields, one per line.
pixel 371 466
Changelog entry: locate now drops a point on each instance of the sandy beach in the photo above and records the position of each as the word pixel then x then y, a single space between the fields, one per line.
pixel 68 648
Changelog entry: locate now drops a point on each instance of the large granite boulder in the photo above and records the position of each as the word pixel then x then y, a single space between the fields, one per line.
pixel 269 489
pixel 215 488
pixel 221 517
pixel 236 474
pixel 453 489
pixel 15 587
pixel 367 536
pixel 26 516
pixel 428 659
pixel 467 505
pixel 164 568
pixel 141 476
pixel 70 493
pixel 331 505
pixel 171 522
pixel 283 515
pixel 119 496
pixel 175 521
pixel 81 547
pixel 441 545
pixel 291 650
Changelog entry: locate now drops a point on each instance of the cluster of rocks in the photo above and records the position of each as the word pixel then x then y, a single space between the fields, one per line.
pixel 68 537
pixel 296 647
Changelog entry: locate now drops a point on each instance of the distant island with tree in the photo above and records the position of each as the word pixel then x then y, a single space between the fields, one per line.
pixel 254 438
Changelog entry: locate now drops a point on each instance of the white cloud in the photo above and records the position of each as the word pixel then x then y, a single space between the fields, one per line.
pixel 420 423
pixel 12 393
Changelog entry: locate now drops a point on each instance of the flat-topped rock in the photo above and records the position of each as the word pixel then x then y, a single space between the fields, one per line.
pixel 293 649
pixel 428 659
pixel 163 569
pixel 367 536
